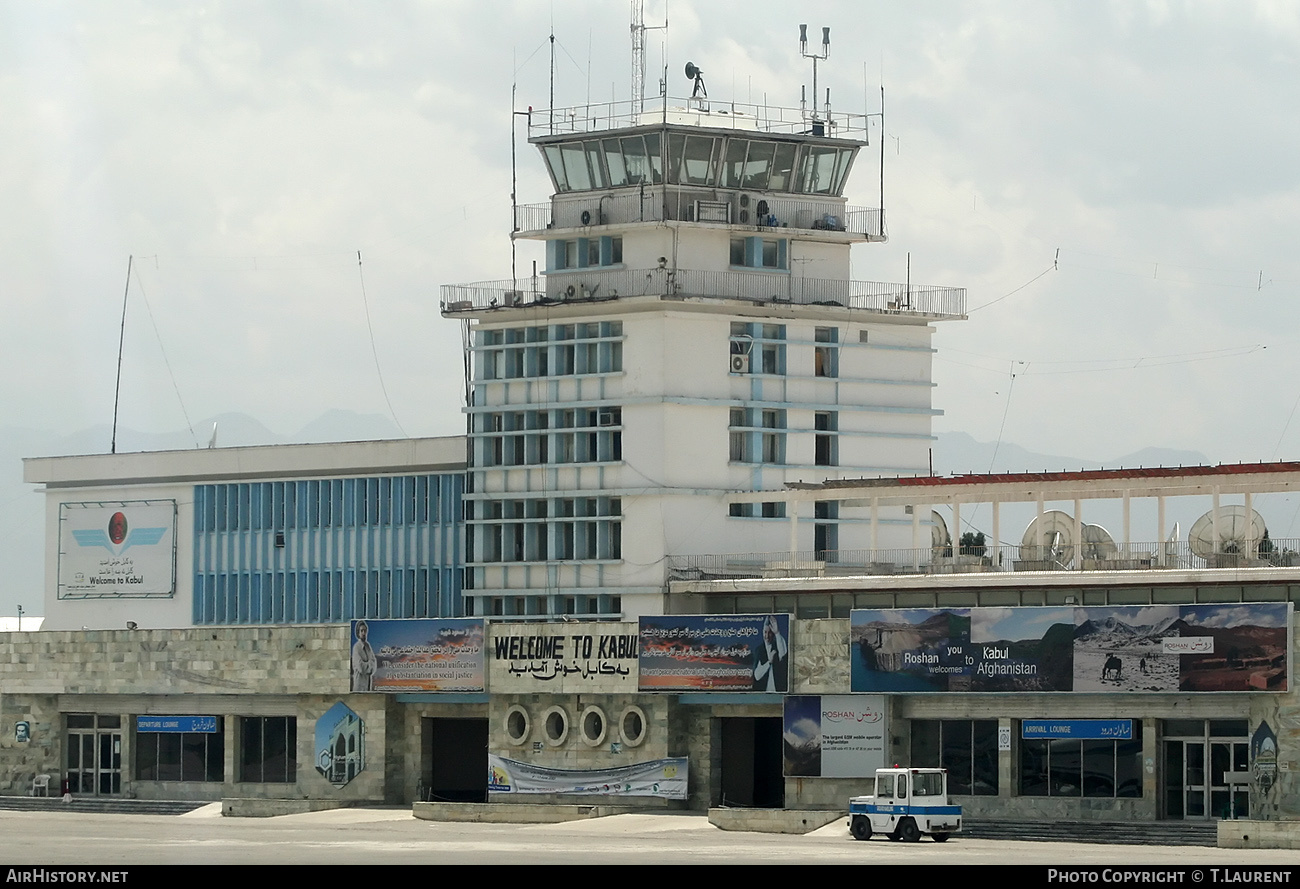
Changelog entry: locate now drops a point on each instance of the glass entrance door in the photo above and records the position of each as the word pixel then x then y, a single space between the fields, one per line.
pixel 94 755
pixel 1201 760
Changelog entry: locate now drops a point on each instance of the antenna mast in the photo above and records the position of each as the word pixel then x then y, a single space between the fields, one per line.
pixel 121 338
pixel 817 125
pixel 639 28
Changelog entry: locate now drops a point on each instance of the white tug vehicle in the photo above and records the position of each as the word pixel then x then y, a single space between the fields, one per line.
pixel 907 804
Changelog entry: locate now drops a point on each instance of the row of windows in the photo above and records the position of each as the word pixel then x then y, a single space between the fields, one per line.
pixel 181 756
pixel 268 748
pixel 581 253
pixel 546 541
pixel 554 333
pixel 760 349
pixel 325 503
pixel 538 605
pixel 553 360
pixel 968 749
pixel 538 530
pixel 520 438
pixel 758 436
pixel 691 159
pixel 248 597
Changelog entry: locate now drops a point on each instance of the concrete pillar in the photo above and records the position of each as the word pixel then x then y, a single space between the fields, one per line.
pixel 1214 520
pixel 916 538
pixel 794 530
pixel 875 527
pixel 1078 534
pixel 1252 545
pixel 997 533
pixel 1162 559
pixel 1127 522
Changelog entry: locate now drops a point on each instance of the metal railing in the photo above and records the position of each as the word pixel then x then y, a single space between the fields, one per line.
pixel 600 116
pixel 974 560
pixel 597 284
pixel 655 205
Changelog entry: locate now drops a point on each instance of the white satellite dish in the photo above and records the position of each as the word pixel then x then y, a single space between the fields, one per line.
pixel 1097 543
pixel 939 537
pixel 1237 531
pixel 1050 541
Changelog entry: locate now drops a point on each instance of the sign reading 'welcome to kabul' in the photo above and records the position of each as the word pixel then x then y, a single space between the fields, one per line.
pixel 1142 648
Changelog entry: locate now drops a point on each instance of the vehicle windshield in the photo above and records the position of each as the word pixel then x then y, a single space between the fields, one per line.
pixel 927 784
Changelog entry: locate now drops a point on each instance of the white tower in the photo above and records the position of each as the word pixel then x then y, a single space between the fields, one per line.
pixel 695 334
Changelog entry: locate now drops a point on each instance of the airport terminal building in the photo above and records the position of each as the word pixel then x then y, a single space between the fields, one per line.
pixel 688 554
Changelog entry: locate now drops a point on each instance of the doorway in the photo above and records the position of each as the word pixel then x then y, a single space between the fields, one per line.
pixel 455 765
pixel 751 762
pixel 94 754
pixel 1205 766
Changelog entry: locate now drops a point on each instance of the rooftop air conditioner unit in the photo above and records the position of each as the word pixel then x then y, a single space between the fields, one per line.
pixel 460 305
pixel 514 297
pixel 740 364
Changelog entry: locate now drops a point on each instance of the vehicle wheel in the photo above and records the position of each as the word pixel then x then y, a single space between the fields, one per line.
pixel 941 837
pixel 860 828
pixel 895 836
pixel 908 831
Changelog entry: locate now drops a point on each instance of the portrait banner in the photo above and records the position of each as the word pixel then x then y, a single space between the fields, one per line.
pixel 417 655
pixel 734 652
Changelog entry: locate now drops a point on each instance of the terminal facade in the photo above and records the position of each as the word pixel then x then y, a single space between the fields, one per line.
pixel 691 424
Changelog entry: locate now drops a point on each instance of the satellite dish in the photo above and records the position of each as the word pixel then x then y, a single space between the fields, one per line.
pixel 691 70
pixel 1097 543
pixel 1236 531
pixel 939 537
pixel 1051 541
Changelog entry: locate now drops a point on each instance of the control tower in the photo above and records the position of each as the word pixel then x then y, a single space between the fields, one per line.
pixel 694 334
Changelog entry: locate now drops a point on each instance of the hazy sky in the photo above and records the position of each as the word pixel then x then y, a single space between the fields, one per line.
pixel 244 153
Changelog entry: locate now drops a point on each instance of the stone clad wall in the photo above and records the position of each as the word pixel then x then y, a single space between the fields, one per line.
pixel 223 660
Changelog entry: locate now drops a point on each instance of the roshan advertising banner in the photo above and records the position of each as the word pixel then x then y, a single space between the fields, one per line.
pixel 1141 648
pixel 834 736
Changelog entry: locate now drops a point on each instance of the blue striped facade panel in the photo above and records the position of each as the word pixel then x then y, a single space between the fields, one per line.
pixel 328 550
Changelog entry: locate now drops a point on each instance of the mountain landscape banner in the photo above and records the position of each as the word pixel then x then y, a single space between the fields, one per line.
pixel 1157 648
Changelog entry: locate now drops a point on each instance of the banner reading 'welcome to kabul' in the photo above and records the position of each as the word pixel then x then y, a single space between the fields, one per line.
pixel 1151 648
pixel 729 652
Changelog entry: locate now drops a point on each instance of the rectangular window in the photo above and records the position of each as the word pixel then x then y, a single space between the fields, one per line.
pixel 180 756
pixel 826 357
pixel 759 253
pixel 825 449
pixel 967 748
pixel 1088 768
pixel 268 751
